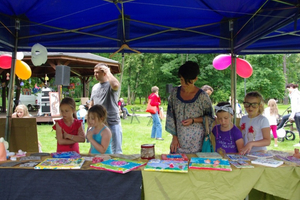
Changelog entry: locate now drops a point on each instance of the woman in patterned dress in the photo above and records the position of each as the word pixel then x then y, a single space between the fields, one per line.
pixel 187 106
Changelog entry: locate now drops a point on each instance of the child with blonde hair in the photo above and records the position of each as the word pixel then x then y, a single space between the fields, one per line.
pixel 255 127
pixel 69 130
pixel 21 111
pixel 271 113
pixel 99 135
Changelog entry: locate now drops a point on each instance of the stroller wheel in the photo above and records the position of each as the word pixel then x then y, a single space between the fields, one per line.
pixel 290 135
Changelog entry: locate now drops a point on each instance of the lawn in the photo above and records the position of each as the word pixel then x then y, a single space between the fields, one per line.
pixel 135 134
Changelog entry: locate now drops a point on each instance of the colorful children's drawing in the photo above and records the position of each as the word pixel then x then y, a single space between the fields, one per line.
pixel 210 163
pixel 178 157
pixel 241 164
pixel 167 166
pixel 118 165
pixel 236 157
pixel 267 162
pixel 290 160
pixel 208 155
pixel 60 163
pixel 258 154
pixel 67 154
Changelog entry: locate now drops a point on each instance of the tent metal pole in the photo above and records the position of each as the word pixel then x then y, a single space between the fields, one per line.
pixel 12 83
pixel 233 71
pixel 122 70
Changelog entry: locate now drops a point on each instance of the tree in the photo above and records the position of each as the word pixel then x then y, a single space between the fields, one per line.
pixel 267 77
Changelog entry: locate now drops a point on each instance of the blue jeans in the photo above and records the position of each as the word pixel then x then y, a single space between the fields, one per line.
pixel 127 113
pixel 297 121
pixel 283 120
pixel 116 143
pixel 156 127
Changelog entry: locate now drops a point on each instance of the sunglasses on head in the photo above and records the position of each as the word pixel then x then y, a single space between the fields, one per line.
pixel 247 104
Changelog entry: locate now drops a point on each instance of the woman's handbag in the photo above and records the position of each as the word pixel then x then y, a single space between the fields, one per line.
pixel 151 109
pixel 207 145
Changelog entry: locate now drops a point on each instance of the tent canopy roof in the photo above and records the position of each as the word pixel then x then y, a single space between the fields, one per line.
pixel 152 26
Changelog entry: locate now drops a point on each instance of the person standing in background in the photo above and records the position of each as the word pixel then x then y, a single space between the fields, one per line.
pixel 271 113
pixel 106 93
pixel 155 101
pixel 208 89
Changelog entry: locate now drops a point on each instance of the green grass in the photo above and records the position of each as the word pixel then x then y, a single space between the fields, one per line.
pixel 135 134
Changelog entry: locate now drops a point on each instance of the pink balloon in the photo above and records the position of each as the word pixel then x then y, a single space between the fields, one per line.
pixel 221 62
pixel 243 68
pixel 5 61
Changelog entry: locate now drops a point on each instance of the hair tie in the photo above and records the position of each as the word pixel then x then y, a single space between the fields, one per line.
pixel 225 108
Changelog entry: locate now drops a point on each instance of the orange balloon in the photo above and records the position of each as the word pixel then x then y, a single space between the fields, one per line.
pixel 23 71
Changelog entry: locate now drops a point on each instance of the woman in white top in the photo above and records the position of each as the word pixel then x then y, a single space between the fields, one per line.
pixel 294 95
pixel 271 112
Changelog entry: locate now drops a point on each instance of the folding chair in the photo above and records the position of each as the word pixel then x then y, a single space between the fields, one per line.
pixel 150 120
pixel 134 115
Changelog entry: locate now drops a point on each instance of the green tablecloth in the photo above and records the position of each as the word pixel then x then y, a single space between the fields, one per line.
pixel 282 182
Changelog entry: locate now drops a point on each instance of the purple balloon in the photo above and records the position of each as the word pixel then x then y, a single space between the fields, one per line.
pixel 221 62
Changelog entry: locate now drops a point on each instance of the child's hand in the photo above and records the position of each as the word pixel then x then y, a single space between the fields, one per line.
pixel 68 136
pixel 89 135
pixel 247 148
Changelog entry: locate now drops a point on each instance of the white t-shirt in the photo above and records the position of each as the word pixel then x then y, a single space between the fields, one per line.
pixel 251 130
pixel 272 118
pixel 295 102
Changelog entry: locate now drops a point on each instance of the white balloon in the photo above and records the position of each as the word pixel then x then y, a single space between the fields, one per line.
pixel 281 133
pixel 38 54
pixel 20 55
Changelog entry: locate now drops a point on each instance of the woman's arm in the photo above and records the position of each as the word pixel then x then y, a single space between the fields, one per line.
pixel 60 136
pixel 190 121
pixel 175 144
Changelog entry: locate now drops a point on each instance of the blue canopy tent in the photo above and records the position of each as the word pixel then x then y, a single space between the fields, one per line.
pixel 150 26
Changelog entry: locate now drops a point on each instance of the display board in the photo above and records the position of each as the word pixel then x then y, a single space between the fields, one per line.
pixel 23 134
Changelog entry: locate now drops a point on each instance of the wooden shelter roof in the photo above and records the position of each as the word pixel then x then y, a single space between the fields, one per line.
pixel 81 64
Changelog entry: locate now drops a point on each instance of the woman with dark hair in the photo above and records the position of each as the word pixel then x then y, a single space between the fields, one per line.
pixel 187 107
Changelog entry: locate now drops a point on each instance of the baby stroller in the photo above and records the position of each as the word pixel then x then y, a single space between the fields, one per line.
pixel 285 134
pixel 281 132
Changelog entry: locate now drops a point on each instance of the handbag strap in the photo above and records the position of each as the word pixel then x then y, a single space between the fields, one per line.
pixel 207 132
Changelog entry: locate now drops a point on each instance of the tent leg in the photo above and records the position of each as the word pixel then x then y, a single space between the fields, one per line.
pixel 12 84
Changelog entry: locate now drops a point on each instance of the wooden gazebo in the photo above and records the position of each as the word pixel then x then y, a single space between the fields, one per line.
pixel 81 65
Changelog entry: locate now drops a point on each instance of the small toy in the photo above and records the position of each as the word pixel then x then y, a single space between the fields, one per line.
pixel 296 154
pixel 21 153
